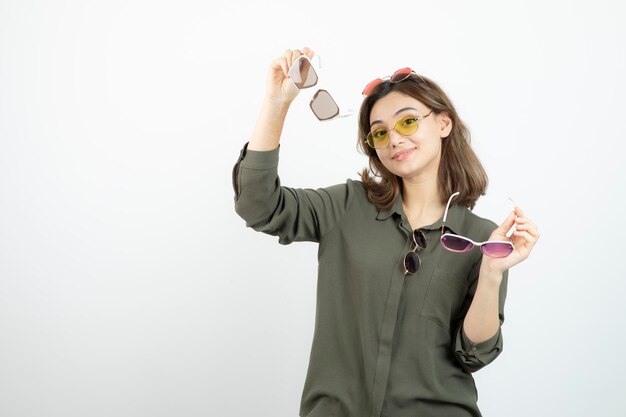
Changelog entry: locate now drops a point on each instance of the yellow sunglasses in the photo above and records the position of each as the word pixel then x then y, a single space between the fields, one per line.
pixel 406 126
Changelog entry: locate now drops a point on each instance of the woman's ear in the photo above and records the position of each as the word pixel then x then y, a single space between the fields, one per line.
pixel 445 124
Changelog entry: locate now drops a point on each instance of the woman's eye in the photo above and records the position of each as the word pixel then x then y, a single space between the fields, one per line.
pixel 409 121
pixel 380 133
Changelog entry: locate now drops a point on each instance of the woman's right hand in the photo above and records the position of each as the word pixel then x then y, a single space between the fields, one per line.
pixel 281 91
pixel 279 88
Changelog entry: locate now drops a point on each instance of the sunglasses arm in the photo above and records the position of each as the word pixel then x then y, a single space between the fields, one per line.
pixel 316 57
pixel 347 113
pixel 445 214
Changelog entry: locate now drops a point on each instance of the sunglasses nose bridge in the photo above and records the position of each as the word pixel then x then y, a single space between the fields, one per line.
pixel 397 134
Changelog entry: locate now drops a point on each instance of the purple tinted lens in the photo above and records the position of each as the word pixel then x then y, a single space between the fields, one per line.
pixel 497 249
pixel 456 244
pixel 412 262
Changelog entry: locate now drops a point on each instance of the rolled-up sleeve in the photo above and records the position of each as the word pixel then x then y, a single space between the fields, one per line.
pixel 474 356
pixel 292 214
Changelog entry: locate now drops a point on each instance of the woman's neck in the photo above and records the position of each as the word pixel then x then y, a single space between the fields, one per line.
pixel 421 201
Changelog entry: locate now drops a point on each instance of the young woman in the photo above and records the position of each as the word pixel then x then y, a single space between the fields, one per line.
pixel 410 299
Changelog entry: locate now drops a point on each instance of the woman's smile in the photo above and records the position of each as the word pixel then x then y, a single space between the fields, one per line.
pixel 399 156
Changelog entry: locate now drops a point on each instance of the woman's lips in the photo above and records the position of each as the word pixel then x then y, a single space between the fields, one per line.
pixel 403 155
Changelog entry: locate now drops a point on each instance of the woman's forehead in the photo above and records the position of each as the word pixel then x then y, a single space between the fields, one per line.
pixel 393 104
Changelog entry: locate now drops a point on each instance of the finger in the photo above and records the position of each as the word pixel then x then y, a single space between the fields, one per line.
pixel 291 55
pixel 508 223
pixel 525 221
pixel 525 235
pixel 525 225
pixel 528 228
pixel 295 54
pixel 282 64
pixel 519 211
pixel 285 65
pixel 308 52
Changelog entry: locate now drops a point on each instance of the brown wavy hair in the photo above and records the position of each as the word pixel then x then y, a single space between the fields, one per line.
pixel 459 167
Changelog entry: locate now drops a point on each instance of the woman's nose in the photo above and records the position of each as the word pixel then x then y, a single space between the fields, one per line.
pixel 395 138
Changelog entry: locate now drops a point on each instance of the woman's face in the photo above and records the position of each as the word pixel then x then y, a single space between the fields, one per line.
pixel 411 156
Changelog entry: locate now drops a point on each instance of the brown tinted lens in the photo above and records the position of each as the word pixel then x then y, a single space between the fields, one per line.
pixel 323 105
pixel 302 73
pixel 412 262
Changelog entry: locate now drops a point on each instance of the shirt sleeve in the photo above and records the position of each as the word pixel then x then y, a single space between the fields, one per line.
pixel 474 356
pixel 292 214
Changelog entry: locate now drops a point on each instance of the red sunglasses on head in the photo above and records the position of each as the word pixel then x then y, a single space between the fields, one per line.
pixel 400 75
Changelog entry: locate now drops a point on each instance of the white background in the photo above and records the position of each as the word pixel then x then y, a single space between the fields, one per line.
pixel 130 287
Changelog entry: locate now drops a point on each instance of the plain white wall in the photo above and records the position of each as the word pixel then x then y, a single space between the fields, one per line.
pixel 130 287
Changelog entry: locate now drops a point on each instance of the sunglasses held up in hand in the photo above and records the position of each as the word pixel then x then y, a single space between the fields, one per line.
pixel 304 76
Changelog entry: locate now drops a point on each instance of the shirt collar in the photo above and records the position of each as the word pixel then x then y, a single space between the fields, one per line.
pixel 454 220
pixel 396 208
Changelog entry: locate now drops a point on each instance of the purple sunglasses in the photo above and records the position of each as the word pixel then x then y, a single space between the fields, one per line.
pixel 458 243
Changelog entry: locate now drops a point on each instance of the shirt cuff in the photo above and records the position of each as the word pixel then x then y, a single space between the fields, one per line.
pixel 483 348
pixel 474 356
pixel 258 159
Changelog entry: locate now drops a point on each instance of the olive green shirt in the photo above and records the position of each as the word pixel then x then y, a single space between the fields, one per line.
pixel 385 343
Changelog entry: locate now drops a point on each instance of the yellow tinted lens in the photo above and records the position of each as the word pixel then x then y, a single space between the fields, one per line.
pixel 378 138
pixel 407 125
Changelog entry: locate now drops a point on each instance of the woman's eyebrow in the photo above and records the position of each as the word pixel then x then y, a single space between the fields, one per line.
pixel 395 114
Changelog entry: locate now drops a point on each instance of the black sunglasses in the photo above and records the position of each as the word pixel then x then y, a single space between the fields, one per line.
pixel 412 260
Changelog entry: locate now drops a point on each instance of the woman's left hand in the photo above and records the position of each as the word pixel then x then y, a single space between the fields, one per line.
pixel 524 238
